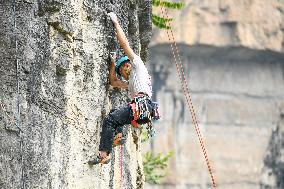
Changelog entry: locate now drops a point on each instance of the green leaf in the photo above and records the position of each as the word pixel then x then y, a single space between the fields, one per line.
pixel 160 25
pixel 172 5
pixel 156 3
pixel 161 19
pixel 144 135
pixel 161 22
pixel 155 166
pixel 168 4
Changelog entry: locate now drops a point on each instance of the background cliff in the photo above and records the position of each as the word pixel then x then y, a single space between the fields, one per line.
pixel 54 87
pixel 257 24
pixel 232 53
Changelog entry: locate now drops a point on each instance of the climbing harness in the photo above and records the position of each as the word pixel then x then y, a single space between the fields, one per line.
pixel 187 95
pixel 139 109
pixel 142 114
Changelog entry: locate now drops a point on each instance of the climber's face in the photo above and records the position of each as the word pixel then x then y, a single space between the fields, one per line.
pixel 125 70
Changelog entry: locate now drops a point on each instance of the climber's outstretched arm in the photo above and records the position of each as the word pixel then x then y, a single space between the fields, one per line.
pixel 121 37
pixel 114 81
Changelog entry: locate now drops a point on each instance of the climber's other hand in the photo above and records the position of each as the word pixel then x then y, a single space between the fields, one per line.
pixel 113 17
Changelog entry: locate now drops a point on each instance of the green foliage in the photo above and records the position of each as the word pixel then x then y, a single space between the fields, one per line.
pixel 144 135
pixel 155 166
pixel 147 134
pixel 161 22
pixel 167 4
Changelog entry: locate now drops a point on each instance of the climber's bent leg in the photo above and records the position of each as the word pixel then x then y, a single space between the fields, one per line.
pixel 114 119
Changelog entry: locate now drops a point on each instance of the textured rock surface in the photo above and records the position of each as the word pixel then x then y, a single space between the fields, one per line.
pixel 257 24
pixel 63 94
pixel 273 176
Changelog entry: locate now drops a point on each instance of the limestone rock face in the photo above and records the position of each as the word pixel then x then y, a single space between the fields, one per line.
pixel 256 24
pixel 273 176
pixel 54 87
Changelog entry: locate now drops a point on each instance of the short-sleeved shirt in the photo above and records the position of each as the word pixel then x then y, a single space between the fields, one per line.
pixel 139 79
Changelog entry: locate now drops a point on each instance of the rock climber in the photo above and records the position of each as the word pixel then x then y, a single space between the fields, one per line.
pixel 140 111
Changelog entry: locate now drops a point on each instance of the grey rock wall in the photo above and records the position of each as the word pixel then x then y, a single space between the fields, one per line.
pixel 273 171
pixel 63 92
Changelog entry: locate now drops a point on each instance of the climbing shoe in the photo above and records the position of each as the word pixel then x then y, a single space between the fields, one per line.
pixel 99 159
pixel 118 140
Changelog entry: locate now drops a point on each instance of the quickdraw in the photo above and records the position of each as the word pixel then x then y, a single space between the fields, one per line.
pixel 140 109
pixel 142 114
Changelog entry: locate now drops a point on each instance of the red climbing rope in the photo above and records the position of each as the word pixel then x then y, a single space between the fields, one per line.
pixel 121 178
pixel 187 95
